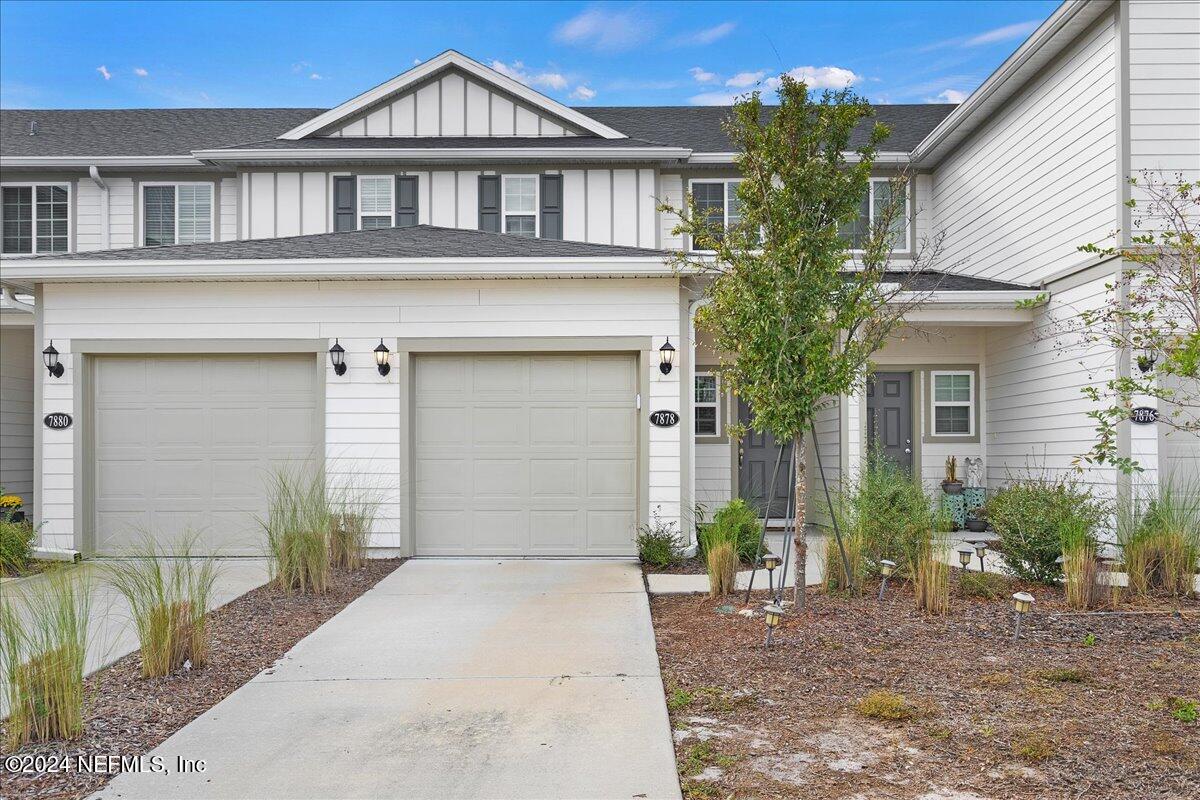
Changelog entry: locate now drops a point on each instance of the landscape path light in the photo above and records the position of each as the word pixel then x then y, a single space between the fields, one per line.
pixel 886 569
pixel 774 616
pixel 1022 604
pixel 771 561
pixel 980 550
pixel 965 551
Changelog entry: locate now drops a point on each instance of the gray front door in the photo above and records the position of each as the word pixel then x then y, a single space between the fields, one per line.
pixel 889 416
pixel 757 454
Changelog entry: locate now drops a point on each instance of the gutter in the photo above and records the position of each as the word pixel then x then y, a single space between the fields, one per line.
pixel 977 104
pixel 446 154
pixel 99 161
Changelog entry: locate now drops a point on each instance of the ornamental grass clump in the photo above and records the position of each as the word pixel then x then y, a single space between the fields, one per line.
pixel 1160 541
pixel 835 579
pixel 719 544
pixel 16 546
pixel 931 578
pixel 168 591
pixel 298 524
pixel 1081 568
pixel 737 524
pixel 43 643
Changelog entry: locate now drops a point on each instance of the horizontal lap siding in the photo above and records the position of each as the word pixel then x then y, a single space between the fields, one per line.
pixel 1035 411
pixel 714 473
pixel 16 411
pixel 1039 178
pixel 362 409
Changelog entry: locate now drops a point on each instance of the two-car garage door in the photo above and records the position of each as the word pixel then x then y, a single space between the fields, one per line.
pixel 525 454
pixel 188 442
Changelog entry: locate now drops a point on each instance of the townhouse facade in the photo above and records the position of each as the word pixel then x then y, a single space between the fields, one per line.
pixel 450 292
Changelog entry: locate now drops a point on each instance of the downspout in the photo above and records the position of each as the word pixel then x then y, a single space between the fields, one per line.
pixel 94 174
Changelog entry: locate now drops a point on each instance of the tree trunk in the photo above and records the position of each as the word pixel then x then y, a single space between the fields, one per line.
pixel 799 512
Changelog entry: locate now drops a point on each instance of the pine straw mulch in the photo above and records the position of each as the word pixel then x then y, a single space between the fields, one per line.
pixel 128 715
pixel 989 717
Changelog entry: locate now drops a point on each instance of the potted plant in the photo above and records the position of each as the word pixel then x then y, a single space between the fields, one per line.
pixel 977 520
pixel 952 485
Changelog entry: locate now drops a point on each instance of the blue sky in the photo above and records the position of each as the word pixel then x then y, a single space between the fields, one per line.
pixel 172 54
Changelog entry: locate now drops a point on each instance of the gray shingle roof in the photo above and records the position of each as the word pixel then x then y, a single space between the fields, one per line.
pixel 365 142
pixel 930 280
pixel 179 131
pixel 420 241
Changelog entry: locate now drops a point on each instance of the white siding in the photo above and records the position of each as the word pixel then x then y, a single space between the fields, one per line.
pixel 599 206
pixel 1179 451
pixel 122 231
pixel 444 204
pixel 288 206
pixel 262 205
pixel 89 216
pixel 714 475
pixel 1164 86
pixel 670 192
pixel 17 369
pixel 1039 178
pixel 228 204
pixel 362 408
pixel 1034 411
pixel 314 193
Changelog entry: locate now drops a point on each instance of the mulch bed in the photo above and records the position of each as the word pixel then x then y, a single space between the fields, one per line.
pixel 990 717
pixel 688 566
pixel 128 715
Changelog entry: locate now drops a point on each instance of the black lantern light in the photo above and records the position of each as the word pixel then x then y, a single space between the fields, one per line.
pixel 1146 359
pixel 337 356
pixel 666 357
pixel 381 358
pixel 50 356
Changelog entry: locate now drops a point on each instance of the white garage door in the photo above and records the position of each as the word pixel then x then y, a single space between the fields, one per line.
pixel 525 455
pixel 187 443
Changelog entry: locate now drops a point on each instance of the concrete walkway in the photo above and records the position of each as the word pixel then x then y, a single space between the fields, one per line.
pixel 449 679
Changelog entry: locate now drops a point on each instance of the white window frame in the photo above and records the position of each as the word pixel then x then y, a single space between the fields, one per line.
pixel 724 199
pixel 213 209
pixel 935 404
pixel 70 216
pixel 537 203
pixel 906 246
pixel 716 403
pixel 391 181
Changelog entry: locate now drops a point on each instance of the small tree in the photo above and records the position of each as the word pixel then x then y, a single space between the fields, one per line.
pixel 1151 313
pixel 794 325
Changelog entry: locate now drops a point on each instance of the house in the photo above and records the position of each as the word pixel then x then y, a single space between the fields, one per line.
pixel 488 265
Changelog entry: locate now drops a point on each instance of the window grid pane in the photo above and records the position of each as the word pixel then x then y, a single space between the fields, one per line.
pixel 159 207
pixel 373 223
pixel 706 420
pixel 883 195
pixel 375 196
pixel 855 233
pixel 195 214
pixel 18 219
pixel 952 419
pixel 706 389
pixel 520 195
pixel 520 226
pixel 710 205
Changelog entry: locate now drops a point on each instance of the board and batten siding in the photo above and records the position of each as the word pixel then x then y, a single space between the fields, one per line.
pixel 1019 196
pixel 361 408
pixel 1033 405
pixel 453 105
pixel 17 371
pixel 603 206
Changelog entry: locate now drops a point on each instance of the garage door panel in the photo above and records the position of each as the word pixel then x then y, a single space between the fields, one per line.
pixel 521 480
pixel 196 450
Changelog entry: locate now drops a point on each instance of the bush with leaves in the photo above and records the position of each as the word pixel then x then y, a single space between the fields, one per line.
pixel 737 524
pixel 659 544
pixel 16 546
pixel 1030 517
pixel 890 511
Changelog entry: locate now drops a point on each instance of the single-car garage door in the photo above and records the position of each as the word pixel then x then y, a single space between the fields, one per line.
pixel 525 454
pixel 187 443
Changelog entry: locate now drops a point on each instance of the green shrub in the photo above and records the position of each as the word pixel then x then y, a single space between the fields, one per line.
pixel 1030 517
pixel 890 511
pixel 658 544
pixel 1160 540
pixel 43 643
pixel 736 524
pixel 16 546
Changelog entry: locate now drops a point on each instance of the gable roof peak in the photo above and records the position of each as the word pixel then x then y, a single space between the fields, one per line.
pixel 440 62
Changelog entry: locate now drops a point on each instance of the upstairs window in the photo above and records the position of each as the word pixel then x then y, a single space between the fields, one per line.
pixel 376 208
pixel 177 213
pixel 36 218
pixel 873 207
pixel 953 403
pixel 706 405
pixel 520 205
pixel 717 203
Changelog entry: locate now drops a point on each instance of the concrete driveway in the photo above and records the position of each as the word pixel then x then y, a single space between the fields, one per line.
pixel 449 679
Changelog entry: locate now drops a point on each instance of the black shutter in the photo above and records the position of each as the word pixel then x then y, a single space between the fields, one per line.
pixel 345 208
pixel 406 201
pixel 489 203
pixel 552 226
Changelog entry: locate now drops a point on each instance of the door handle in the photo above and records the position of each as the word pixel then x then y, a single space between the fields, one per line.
pixel 741 453
pixel 908 451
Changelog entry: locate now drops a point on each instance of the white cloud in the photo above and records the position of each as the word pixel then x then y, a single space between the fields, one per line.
pixel 744 79
pixel 316 76
pixel 820 77
pixel 702 76
pixel 706 36
pixel 1018 30
pixel 141 72
pixel 416 61
pixel 714 98
pixel 952 96
pixel 103 70
pixel 583 93
pixel 605 30
pixel 518 72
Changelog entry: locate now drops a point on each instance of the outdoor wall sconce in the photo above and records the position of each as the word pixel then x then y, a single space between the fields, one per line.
pixel 1146 360
pixel 886 568
pixel 381 358
pixel 337 356
pixel 1022 603
pixel 774 615
pixel 965 552
pixel 50 356
pixel 666 357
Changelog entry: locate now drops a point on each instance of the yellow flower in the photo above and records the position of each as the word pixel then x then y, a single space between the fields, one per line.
pixel 10 501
